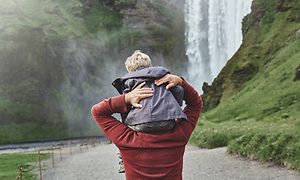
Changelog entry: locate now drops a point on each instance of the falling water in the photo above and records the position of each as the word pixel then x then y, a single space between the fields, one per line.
pixel 213 34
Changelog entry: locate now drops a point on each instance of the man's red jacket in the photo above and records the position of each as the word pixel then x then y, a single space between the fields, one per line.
pixel 149 156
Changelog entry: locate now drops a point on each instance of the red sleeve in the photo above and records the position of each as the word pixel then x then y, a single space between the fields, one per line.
pixel 192 110
pixel 102 113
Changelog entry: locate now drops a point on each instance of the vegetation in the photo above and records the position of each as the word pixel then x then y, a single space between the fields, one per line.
pixel 257 114
pixel 59 57
pixel 124 3
pixel 10 162
pixel 22 132
pixel 100 18
pixel 266 140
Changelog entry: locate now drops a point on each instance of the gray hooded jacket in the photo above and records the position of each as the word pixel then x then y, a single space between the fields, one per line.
pixel 163 105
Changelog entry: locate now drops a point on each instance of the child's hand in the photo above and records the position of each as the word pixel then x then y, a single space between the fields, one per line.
pixel 134 96
pixel 171 79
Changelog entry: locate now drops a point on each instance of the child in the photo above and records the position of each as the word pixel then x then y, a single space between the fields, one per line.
pixel 159 112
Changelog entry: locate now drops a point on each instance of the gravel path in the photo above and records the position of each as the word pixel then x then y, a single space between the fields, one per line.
pixel 101 163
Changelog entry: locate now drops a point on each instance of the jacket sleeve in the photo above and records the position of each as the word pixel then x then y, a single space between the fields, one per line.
pixel 102 113
pixel 192 110
pixel 178 93
pixel 128 85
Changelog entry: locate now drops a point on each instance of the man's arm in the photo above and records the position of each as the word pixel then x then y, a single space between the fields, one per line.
pixel 102 113
pixel 192 110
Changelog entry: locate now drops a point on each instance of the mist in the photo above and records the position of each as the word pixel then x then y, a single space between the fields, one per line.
pixel 59 58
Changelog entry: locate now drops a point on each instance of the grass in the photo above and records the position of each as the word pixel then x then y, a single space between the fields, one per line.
pixel 283 148
pixel 259 118
pixel 267 140
pixel 33 131
pixel 223 132
pixel 272 89
pixel 17 133
pixel 10 162
pixel 265 95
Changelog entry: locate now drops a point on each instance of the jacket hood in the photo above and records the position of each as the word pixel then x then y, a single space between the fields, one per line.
pixel 150 72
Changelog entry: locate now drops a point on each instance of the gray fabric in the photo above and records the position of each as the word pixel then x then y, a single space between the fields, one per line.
pixel 162 106
pixel 155 126
pixel 148 73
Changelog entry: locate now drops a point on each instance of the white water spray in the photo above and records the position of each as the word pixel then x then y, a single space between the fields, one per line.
pixel 213 34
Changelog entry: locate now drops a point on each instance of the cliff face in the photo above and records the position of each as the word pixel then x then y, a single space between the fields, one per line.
pixel 162 23
pixel 58 58
pixel 264 66
pixel 252 106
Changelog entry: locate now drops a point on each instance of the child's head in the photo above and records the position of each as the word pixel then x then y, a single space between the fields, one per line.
pixel 137 60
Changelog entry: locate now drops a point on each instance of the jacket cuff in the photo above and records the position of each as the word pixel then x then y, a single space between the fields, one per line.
pixel 118 104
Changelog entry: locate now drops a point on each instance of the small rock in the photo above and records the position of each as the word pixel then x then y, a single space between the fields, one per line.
pixel 281 108
pixel 298 33
pixel 297 75
pixel 283 5
pixel 238 118
pixel 205 87
pixel 285 115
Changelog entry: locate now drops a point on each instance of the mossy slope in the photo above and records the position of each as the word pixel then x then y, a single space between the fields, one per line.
pixel 254 103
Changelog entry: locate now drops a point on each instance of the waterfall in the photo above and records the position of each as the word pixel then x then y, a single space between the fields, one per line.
pixel 213 34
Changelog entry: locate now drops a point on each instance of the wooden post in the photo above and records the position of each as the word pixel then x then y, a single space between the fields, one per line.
pixel 40 166
pixel 60 153
pixel 52 154
pixel 213 137
pixel 70 148
pixel 20 173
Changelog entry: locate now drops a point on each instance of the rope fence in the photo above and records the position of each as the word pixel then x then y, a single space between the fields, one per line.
pixel 56 151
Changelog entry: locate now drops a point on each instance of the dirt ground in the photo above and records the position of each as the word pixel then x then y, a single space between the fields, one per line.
pixel 101 163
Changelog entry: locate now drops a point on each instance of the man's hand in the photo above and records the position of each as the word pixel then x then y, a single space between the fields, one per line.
pixel 133 97
pixel 171 79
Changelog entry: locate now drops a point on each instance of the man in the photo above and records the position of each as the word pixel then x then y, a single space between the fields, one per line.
pixel 156 155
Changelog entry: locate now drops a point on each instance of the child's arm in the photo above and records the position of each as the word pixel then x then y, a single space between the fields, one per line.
pixel 128 84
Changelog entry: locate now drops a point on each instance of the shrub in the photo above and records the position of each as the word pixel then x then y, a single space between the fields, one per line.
pixel 280 148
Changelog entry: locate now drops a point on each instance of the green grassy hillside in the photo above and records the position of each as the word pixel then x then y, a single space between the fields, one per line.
pixel 59 57
pixel 10 165
pixel 253 106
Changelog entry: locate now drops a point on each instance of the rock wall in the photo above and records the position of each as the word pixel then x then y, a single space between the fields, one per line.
pixel 58 58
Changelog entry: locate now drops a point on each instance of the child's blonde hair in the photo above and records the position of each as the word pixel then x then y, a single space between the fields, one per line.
pixel 137 60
